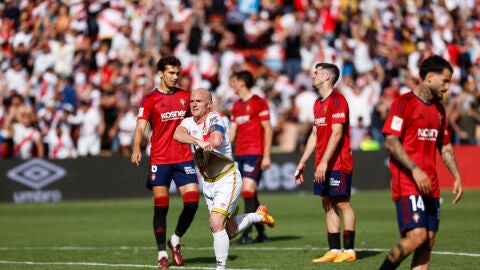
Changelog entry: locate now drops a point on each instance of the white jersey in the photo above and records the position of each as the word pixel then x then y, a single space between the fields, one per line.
pixel 202 130
pixel 223 181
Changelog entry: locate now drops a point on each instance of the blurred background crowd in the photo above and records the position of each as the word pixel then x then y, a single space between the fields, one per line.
pixel 73 72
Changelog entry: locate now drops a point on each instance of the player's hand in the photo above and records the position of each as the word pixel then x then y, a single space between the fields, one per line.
pixel 298 175
pixel 136 157
pixel 206 146
pixel 458 190
pixel 422 180
pixel 266 162
pixel 321 171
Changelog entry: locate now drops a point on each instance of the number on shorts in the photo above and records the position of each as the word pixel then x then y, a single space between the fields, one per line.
pixel 417 203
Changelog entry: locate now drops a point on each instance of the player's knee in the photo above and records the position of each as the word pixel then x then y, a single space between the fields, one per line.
pixel 246 194
pixel 161 205
pixel 190 201
pixel 216 224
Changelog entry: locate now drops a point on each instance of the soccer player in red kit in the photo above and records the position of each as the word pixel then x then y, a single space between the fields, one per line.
pixel 251 130
pixel 330 138
pixel 415 127
pixel 165 108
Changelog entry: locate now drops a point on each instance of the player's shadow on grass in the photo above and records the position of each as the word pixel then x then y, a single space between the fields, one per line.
pixel 283 238
pixel 362 254
pixel 207 260
pixel 270 239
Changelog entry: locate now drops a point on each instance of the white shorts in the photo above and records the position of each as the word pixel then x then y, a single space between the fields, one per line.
pixel 221 196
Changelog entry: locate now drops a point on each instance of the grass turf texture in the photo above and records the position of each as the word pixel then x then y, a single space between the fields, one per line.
pixel 117 234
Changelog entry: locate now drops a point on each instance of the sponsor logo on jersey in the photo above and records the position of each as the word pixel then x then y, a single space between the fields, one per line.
pixel 397 123
pixel 338 115
pixel 427 134
pixel 320 121
pixel 264 113
pixel 173 115
pixel 242 119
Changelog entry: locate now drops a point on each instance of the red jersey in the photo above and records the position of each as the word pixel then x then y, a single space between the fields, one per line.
pixel 165 112
pixel 333 110
pixel 421 128
pixel 248 116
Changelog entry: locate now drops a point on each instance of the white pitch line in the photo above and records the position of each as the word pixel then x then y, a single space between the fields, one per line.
pixel 231 248
pixel 112 265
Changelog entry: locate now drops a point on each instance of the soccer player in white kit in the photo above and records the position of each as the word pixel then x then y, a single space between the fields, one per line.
pixel 205 130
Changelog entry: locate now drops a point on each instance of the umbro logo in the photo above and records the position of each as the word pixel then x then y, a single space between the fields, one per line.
pixel 36 173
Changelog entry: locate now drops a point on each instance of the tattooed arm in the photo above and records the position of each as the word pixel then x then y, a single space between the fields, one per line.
pixel 393 144
pixel 448 157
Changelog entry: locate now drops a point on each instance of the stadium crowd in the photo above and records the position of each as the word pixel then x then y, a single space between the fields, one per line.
pixel 73 72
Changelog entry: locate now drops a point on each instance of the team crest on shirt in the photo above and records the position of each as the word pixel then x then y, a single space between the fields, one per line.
pixel 248 108
pixel 416 217
pixel 183 102
pixel 397 123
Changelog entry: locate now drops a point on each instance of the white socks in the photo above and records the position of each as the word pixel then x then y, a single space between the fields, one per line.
pixel 221 243
pixel 175 240
pixel 246 220
pixel 162 254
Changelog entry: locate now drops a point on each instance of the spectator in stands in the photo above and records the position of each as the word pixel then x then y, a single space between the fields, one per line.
pixel 27 140
pixel 16 79
pixel 60 142
pixel 352 35
pixel 91 126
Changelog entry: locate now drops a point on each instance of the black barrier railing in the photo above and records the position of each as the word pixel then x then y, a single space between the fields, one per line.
pixel 44 180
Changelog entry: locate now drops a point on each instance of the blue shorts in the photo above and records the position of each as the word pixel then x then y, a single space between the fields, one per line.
pixel 250 166
pixel 415 211
pixel 181 173
pixel 337 183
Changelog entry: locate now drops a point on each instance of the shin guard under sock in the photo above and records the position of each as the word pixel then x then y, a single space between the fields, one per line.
pixel 160 221
pixel 190 206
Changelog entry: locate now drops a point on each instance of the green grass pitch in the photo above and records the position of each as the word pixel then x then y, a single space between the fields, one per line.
pixel 117 234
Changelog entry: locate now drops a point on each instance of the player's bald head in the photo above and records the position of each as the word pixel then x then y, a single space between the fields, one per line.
pixel 201 93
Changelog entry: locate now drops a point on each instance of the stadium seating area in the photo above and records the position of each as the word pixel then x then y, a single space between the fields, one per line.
pixel 73 70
